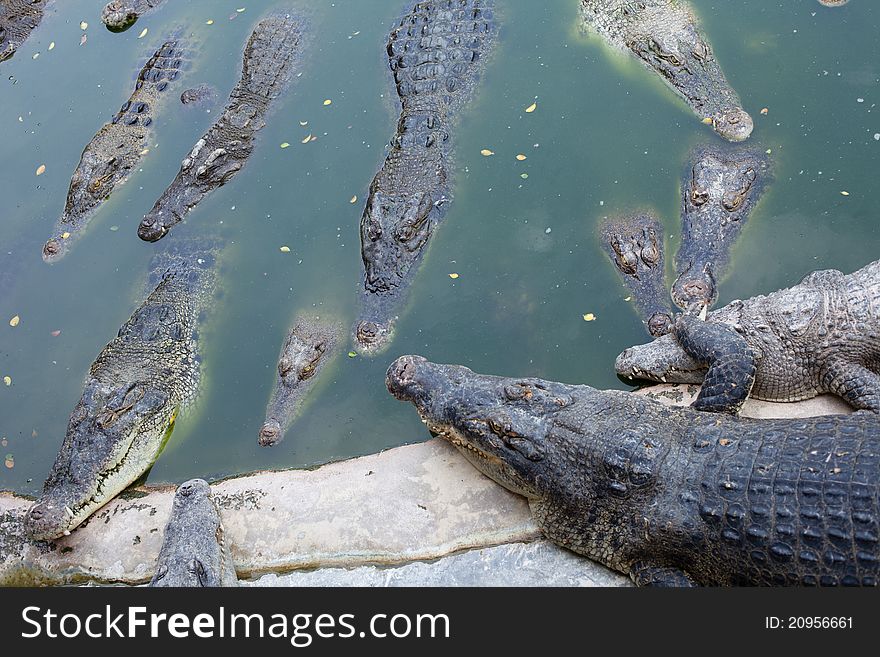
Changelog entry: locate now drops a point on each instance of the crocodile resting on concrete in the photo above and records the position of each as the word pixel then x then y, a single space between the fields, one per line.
pixel 119 15
pixel 18 18
pixel 718 194
pixel 635 246
pixel 669 496
pixel 820 336
pixel 194 550
pixel 132 394
pixel 665 36
pixel 116 150
pixel 269 58
pixel 435 55
pixel 310 344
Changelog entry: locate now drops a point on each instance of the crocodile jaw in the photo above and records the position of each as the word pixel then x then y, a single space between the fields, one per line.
pixel 662 361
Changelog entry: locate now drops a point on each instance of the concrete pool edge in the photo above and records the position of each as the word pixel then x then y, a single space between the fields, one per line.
pixel 409 504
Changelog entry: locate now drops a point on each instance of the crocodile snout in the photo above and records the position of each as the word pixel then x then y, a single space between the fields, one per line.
pixel 402 377
pixel 270 433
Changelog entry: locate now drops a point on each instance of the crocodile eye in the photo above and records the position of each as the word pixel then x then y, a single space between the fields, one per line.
pixel 106 419
pixel 732 202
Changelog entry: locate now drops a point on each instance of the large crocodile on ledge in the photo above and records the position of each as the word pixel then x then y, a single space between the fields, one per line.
pixel 194 550
pixel 116 150
pixel 820 336
pixel 669 496
pixel 119 15
pixel 310 344
pixel 269 58
pixel 435 54
pixel 133 392
pixel 18 18
pixel 665 36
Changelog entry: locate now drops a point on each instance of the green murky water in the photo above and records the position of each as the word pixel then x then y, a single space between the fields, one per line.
pixel 606 138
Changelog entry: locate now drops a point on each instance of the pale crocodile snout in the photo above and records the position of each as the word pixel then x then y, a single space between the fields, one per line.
pixel 734 125
pixel 270 433
pixel 151 230
pixel 402 378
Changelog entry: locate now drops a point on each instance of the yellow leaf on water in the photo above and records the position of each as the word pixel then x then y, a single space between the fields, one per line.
pixel 83 39
pixel 303 123
pixel 144 152
pixel 520 157
pixel 523 175
pixel 627 299
pixel 708 120
pixel 844 193
pixel 35 55
pixel 7 380
pixel 307 139
pixel 328 102
pixel 354 199
pixel 14 321
pixel 531 108
pixel 453 276
pixel 486 152
pixel 65 235
pixel 52 46
pixel 285 249
pixel 209 22
pixel 285 145
pixel 41 169
pixel 240 9
pixel 143 33
pixel 83 25
pixel 589 317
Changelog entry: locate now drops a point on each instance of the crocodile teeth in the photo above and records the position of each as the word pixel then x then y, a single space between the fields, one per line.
pixel 67 532
pixel 68 511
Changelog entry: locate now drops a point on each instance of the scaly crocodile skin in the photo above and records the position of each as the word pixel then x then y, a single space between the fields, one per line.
pixel 119 15
pixel 670 496
pixel 435 54
pixel 18 18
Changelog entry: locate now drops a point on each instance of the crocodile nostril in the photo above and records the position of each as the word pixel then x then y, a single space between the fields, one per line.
pixel 659 324
pixel 270 433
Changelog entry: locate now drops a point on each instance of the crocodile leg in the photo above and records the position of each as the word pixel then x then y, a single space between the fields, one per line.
pixel 731 363
pixel 647 574
pixel 858 385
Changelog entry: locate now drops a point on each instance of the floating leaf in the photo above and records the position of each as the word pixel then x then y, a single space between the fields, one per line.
pixel 10 461
pixel 486 152
pixel 313 138
pixel 65 235
pixel 531 108
pixel 83 39
pixel 307 139
pixel 589 317
pixel 520 157
pixel 52 46
pixel 3 442
pixel 285 145
pixel 114 228
pixel 708 120
pixel 352 354
pixel 304 123
pixel 523 175
pixel 844 193
pixel 14 321
pixel 328 102
pixel 285 249
pixel 453 276
pixel 41 169
pixel 55 333
pixel 35 55
pixel 627 298
pixel 353 199
pixel 143 33
pixel 240 9
pixel 210 21
pixel 83 26
pixel 7 380
pixel 765 111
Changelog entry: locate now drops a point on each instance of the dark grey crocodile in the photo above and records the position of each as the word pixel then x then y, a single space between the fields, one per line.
pixel 669 496
pixel 635 246
pixel 435 55
pixel 18 18
pixel 119 15
pixel 269 57
pixel 133 392
pixel 718 193
pixel 116 150
pixel 194 550
pixel 820 336
pixel 665 36
pixel 310 344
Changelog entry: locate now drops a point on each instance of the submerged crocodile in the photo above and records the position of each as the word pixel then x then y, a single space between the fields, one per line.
pixel 435 55
pixel 133 392
pixel 635 246
pixel 116 150
pixel 669 496
pixel 310 344
pixel 194 550
pixel 665 36
pixel 718 194
pixel 820 336
pixel 18 18
pixel 119 15
pixel 269 58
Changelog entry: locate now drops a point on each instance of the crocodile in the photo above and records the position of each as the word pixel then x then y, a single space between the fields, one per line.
pixel 718 193
pixel 119 15
pixel 194 551
pixel 669 496
pixel 666 37
pixel 435 54
pixel 18 18
pixel 309 345
pixel 115 152
pixel 820 336
pixel 269 59
pixel 133 392
pixel 635 246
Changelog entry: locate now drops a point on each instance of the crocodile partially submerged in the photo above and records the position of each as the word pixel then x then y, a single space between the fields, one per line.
pixel 820 336
pixel 635 246
pixel 18 18
pixel 718 193
pixel 119 15
pixel 133 392
pixel 669 496
pixel 116 150
pixel 665 36
pixel 435 54
pixel 310 344
pixel 194 550
pixel 271 52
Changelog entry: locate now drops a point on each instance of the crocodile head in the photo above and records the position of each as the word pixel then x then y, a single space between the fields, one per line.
pixel 119 15
pixel 117 432
pixel 500 425
pixel 395 229
pixel 661 360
